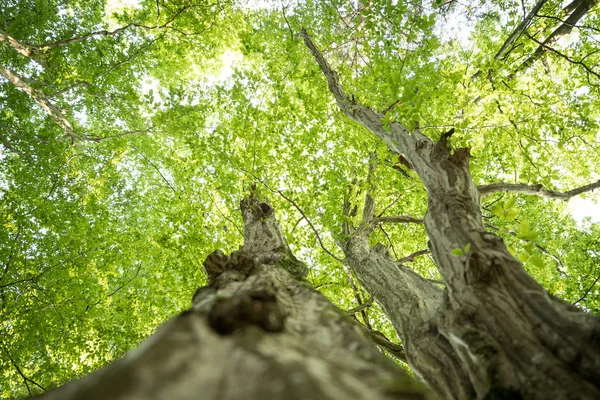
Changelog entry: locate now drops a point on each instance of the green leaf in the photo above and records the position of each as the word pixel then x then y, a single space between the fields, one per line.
pixel 457 252
pixel 511 214
pixel 537 261
pixel 467 248
pixel 523 228
pixel 498 210
pixel 530 236
pixel 510 203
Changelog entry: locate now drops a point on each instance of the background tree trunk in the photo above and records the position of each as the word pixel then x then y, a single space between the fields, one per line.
pixel 412 304
pixel 257 331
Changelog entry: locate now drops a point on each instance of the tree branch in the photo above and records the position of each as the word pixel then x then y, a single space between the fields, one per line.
pixel 26 379
pixel 297 207
pixel 580 27
pixel 412 256
pixel 157 170
pixel 536 190
pixel 333 80
pixel 519 29
pixel 27 50
pixel 587 291
pixel 565 28
pixel 402 219
pixel 396 350
pixel 361 307
pixel 14 44
pixel 39 97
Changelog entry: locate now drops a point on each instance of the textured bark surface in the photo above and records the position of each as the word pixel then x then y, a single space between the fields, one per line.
pixel 412 304
pixel 514 339
pixel 257 331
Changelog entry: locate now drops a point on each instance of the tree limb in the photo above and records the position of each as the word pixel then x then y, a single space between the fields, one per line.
pixel 580 27
pixel 565 28
pixel 39 97
pixel 402 219
pixel 297 207
pixel 587 291
pixel 14 44
pixel 26 379
pixel 27 50
pixel 412 256
pixel 519 29
pixel 361 307
pixel 396 350
pixel 536 190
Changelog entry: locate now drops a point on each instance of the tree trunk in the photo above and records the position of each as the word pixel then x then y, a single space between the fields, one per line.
pixel 257 331
pixel 514 339
pixel 412 303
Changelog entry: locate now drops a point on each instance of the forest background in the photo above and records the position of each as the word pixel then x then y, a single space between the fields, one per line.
pixel 130 131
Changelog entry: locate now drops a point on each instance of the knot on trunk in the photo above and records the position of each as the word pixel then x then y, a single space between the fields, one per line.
pixel 261 231
pixel 258 308
pixel 217 263
pixel 461 156
pixel 383 250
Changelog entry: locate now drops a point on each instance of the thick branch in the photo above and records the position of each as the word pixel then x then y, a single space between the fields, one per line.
pixel 13 43
pixel 333 80
pixel 536 190
pixel 491 314
pixel 39 97
pixel 519 29
pixel 571 6
pixel 564 29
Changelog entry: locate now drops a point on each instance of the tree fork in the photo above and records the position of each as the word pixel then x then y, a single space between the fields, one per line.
pixel 512 336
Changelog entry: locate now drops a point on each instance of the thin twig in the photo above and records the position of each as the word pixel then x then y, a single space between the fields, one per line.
pixel 412 256
pixel 587 291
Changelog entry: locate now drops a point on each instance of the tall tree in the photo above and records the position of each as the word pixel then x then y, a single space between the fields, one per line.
pixel 129 132
pixel 512 337
pixel 257 331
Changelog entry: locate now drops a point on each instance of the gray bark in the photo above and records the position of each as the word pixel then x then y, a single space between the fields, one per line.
pixel 514 339
pixel 257 331
pixel 411 302
pixel 536 190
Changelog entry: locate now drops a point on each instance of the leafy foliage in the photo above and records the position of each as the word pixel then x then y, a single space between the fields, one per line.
pixel 179 108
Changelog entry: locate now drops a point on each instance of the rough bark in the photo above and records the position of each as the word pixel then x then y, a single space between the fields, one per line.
pixel 514 339
pixel 412 304
pixel 257 331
